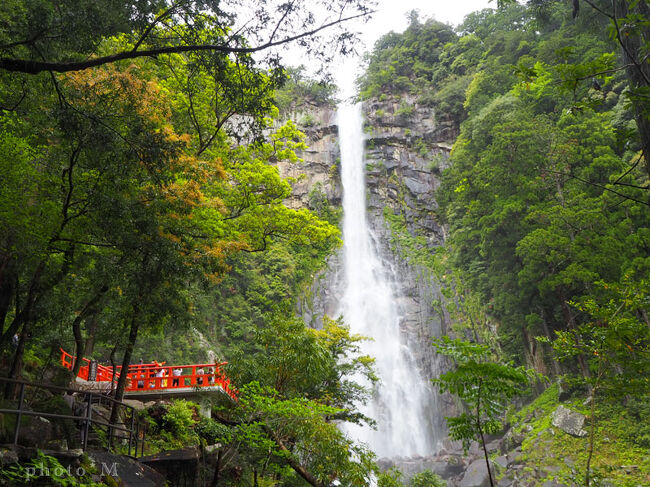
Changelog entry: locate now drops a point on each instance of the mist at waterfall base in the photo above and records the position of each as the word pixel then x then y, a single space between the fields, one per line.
pixel 400 404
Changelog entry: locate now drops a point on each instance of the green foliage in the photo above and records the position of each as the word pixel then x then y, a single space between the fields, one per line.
pixel 179 417
pixel 405 110
pixel 155 200
pixel 615 340
pixel 390 478
pixel 212 432
pixel 319 204
pixel 300 91
pixel 616 346
pixel 402 62
pixel 265 423
pixel 486 388
pixel 617 441
pixel 47 470
pixel 525 196
pixel 393 478
pixel 297 361
pixel 427 479
pixel 307 120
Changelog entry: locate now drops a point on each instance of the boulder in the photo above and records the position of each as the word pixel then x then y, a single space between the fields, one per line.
pixel 514 456
pixel 511 440
pixel 180 467
pixel 8 456
pixel 134 403
pixel 501 462
pixel 476 475
pixel 35 431
pixel 493 446
pixel 569 421
pixel 126 471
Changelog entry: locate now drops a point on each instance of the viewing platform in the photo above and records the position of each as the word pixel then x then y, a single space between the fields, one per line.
pixel 153 381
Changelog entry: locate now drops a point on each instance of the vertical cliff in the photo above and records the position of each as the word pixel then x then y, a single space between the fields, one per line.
pixel 406 148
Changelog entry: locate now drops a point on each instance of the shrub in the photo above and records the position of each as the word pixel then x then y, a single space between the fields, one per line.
pixel 427 479
pixel 179 417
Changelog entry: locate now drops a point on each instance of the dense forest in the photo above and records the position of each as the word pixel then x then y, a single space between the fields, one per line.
pixel 143 216
pixel 545 194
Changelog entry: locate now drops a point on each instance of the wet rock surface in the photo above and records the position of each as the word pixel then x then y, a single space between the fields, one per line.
pixel 399 177
pixel 127 471
pixel 570 422
pixel 476 475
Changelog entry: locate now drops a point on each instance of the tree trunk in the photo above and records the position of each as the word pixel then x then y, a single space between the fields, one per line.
pixel 91 308
pixel 297 467
pixel 126 360
pixel 17 364
pixel 78 352
pixel 91 331
pixel 554 363
pixel 8 288
pixel 637 70
pixel 592 432
pixel 480 430
pixel 217 468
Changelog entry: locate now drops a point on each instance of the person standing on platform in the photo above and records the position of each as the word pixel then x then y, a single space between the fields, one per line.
pixel 176 373
pixel 159 374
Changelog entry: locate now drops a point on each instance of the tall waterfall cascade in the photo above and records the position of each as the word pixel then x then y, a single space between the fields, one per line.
pixel 402 402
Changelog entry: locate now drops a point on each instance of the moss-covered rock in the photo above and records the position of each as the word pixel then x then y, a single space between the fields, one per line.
pixel 550 456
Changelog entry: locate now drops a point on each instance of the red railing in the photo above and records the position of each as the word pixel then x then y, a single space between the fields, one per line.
pixel 158 377
pixel 103 373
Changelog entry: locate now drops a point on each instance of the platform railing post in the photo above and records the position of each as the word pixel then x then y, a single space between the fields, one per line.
pixel 137 436
pixel 89 413
pixel 144 434
pixel 131 429
pixel 19 414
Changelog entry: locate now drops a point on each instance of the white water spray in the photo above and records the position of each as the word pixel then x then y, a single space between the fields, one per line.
pixel 400 405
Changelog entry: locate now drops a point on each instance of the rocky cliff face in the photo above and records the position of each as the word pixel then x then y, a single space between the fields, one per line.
pixel 318 173
pixel 405 152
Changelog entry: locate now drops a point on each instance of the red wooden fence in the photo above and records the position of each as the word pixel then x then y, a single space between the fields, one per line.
pixel 158 377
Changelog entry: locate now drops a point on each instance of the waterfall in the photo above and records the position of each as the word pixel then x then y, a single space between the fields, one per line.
pixel 401 404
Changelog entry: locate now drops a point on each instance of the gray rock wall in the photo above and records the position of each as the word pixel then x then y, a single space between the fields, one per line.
pixel 319 167
pixel 404 154
pixel 404 157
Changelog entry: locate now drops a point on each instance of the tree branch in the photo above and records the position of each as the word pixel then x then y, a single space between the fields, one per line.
pixel 34 67
pixel 150 27
pixel 605 188
pixel 297 467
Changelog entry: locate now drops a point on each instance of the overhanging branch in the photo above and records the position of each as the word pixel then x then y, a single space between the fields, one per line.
pixel 34 67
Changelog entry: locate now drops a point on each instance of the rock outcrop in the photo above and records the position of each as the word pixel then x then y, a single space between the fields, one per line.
pixel 476 475
pixel 404 157
pixel 405 153
pixel 570 422
pixel 317 174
